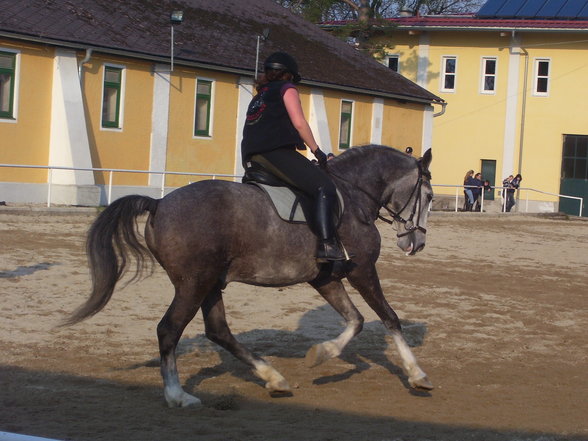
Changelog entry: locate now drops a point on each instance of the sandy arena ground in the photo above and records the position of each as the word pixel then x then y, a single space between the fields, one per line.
pixel 495 307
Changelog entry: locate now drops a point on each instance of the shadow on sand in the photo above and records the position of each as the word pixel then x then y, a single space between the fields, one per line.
pixel 69 407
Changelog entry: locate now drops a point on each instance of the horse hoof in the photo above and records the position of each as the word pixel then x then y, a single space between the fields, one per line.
pixel 184 400
pixel 279 387
pixel 422 383
pixel 316 355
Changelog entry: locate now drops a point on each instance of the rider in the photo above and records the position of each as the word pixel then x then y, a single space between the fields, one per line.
pixel 275 128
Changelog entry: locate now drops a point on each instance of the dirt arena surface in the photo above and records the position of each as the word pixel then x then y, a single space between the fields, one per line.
pixel 495 307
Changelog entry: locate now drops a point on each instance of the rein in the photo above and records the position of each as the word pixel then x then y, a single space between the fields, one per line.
pixel 409 224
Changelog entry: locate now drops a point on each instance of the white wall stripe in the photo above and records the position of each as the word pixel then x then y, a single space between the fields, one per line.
pixel 159 122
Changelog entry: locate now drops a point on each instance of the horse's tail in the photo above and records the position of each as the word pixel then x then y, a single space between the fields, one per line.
pixel 112 240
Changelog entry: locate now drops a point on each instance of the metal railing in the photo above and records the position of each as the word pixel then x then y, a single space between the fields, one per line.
pixel 111 171
pixel 163 174
pixel 459 193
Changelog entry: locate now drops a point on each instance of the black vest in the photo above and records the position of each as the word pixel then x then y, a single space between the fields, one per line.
pixel 268 124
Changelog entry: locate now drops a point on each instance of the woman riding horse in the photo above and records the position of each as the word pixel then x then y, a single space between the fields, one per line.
pixel 274 128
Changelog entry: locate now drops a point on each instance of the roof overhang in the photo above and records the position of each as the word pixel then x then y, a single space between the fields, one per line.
pixel 201 65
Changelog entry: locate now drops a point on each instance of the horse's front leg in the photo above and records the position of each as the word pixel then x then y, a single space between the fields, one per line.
pixel 366 281
pixel 336 295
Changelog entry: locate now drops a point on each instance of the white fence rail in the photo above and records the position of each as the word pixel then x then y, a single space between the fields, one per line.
pixel 111 171
pixel 459 192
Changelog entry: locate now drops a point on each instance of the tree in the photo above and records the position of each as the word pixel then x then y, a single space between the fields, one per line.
pixel 364 10
pixel 365 17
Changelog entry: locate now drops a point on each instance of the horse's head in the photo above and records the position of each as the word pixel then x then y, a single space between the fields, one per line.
pixel 409 206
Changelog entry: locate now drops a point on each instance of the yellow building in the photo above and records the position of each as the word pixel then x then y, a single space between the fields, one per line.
pixel 131 88
pixel 513 78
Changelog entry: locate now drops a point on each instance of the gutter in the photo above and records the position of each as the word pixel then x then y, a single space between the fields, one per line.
pixel 372 92
pixel 404 27
pixel 187 63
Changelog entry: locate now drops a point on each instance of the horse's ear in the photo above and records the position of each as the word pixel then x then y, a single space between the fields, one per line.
pixel 426 160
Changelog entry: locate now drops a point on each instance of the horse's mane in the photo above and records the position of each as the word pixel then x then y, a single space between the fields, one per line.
pixel 349 160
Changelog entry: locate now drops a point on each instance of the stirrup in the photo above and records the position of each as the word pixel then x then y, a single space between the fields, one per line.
pixel 329 251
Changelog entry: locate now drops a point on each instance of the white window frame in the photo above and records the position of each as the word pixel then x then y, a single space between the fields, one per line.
pixel 15 95
pixel 123 77
pixel 536 76
pixel 395 56
pixel 211 116
pixel 352 102
pixel 483 75
pixel 444 73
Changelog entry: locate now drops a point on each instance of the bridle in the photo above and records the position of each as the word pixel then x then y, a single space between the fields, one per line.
pixel 409 225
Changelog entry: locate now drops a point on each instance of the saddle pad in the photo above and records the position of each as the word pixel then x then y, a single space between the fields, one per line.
pixel 287 204
pixel 290 206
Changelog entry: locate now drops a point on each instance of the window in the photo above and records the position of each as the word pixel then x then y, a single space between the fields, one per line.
pixel 575 157
pixel 393 62
pixel 345 128
pixel 488 75
pixel 202 107
pixel 7 79
pixel 449 66
pixel 542 68
pixel 111 99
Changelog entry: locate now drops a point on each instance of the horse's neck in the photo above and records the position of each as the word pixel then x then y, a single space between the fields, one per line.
pixel 364 189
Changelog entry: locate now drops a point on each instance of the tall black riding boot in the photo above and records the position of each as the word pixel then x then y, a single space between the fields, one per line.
pixel 328 247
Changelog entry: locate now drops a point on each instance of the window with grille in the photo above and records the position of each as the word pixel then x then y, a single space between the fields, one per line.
pixel 575 157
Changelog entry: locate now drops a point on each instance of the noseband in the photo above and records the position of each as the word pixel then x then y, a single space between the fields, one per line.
pixel 409 224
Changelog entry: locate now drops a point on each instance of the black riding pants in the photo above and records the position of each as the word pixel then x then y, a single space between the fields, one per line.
pixel 296 170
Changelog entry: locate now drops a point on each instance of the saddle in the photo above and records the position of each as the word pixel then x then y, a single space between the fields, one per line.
pixel 288 202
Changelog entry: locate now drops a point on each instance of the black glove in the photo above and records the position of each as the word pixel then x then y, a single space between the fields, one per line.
pixel 321 158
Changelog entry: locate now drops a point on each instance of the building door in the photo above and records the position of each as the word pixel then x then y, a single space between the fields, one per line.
pixel 574 174
pixel 489 174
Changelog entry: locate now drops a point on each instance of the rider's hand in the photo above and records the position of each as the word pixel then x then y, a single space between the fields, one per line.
pixel 320 157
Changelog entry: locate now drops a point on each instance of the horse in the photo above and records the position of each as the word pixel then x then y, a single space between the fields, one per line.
pixel 210 233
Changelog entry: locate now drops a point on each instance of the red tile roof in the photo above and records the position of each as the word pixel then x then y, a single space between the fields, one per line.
pixel 448 22
pixel 493 23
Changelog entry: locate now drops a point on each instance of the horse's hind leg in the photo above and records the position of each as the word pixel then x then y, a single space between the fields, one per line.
pixel 334 293
pixel 366 281
pixel 217 330
pixel 182 310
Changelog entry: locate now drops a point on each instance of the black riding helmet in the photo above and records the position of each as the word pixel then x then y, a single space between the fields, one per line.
pixel 283 61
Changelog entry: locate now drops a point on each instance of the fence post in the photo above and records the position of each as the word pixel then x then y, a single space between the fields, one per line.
pixel 456 197
pixel 49 187
pixel 162 185
pixel 527 202
pixel 109 187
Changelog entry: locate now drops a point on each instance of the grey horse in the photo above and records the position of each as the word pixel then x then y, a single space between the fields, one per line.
pixel 210 233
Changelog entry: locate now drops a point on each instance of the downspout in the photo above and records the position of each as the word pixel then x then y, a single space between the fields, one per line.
pixel 523 115
pixel 442 111
pixel 84 61
pixel 523 109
